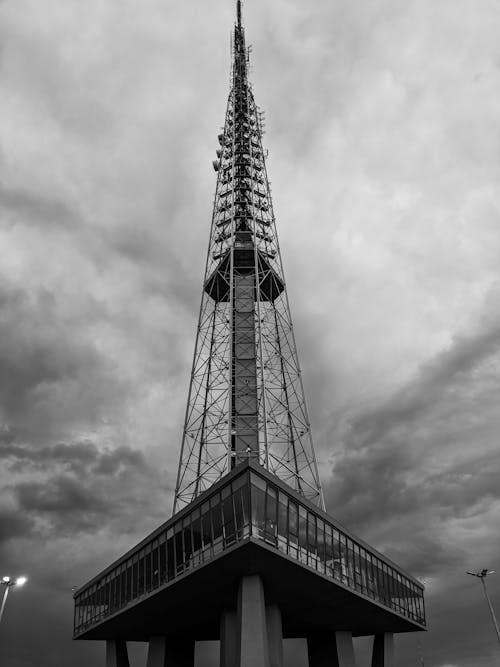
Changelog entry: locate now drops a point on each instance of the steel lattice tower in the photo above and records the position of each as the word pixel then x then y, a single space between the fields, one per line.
pixel 246 399
pixel 249 557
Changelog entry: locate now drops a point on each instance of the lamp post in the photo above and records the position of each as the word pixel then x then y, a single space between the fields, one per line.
pixel 482 574
pixel 8 583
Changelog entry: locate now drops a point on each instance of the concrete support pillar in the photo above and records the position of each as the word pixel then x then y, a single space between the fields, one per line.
pixel 116 653
pixel 336 650
pixel 383 650
pixel 275 635
pixel 228 639
pixel 156 652
pixel 251 622
pixel 164 653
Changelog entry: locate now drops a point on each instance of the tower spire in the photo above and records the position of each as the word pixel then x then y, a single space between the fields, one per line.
pixel 246 399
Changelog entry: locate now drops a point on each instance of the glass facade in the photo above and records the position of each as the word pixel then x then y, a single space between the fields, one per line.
pixel 249 506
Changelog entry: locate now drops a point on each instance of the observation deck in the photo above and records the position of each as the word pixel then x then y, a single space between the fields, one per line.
pixel 178 580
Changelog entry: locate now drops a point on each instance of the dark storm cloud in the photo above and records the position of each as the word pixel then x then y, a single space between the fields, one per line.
pixel 435 378
pixel 79 457
pixel 74 488
pixel 385 181
pixel 386 483
pixel 13 524
pixel 46 364
pixel 29 356
pixel 61 495
pixel 21 205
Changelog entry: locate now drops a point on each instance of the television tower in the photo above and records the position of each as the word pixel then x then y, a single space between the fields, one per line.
pixel 249 556
pixel 245 397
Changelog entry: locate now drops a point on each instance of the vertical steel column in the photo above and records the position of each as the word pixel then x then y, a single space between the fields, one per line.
pixel 244 368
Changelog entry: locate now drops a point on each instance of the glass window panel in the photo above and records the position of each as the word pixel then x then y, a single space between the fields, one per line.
pixel 206 525
pixel 257 481
pixel 128 583
pixel 112 590
pixel 342 559
pixel 245 497
pixel 239 482
pixel 405 596
pixel 258 507
pixel 320 539
pixel 135 577
pixel 228 517
pixel 148 572
pixel 414 601
pixel 179 551
pixel 390 585
pixel 356 566
pixel 398 593
pixel 336 543
pixel 216 515
pixel 170 556
pixel 282 521
pixel 163 560
pixel 141 575
pixel 121 591
pixel 370 584
pixel 293 529
pixel 238 512
pixel 387 589
pixel 311 540
pixel 197 532
pixel 115 592
pixel 271 515
pixel 188 541
pixel 302 534
pixel 329 551
pixel 311 532
pixel 293 521
pixel 155 567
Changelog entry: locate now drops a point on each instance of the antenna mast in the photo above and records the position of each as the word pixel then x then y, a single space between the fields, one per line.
pixel 246 400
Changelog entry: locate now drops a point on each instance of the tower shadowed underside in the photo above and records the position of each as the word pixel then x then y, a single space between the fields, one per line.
pixel 250 555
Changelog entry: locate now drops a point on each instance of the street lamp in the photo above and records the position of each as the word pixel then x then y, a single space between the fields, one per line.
pixel 482 574
pixel 8 583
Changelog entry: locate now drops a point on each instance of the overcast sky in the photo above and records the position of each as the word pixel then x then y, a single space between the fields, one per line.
pixel 383 131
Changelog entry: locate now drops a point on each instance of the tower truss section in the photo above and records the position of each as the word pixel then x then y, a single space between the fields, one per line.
pixel 246 399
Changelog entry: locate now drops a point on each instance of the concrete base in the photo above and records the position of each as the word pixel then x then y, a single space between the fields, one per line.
pixel 337 650
pixel 228 639
pixel 383 650
pixel 253 649
pixel 116 653
pixel 275 635
pixel 163 653
pixel 252 636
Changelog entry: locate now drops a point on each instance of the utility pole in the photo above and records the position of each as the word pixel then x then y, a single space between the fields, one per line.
pixel 8 583
pixel 482 574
